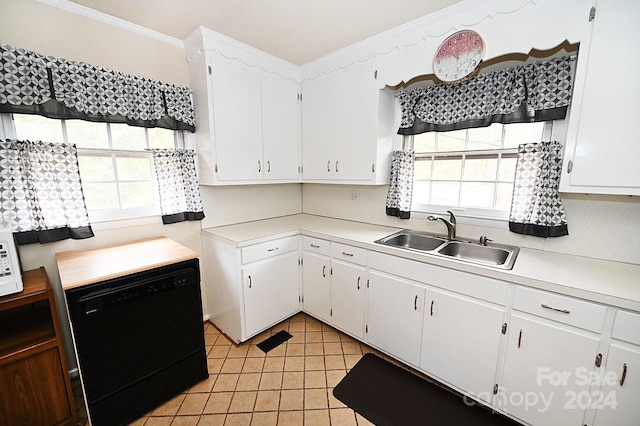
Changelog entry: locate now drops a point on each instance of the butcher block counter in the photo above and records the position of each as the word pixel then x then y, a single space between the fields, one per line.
pixel 88 266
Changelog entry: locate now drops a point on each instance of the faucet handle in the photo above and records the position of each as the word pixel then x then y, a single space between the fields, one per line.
pixel 483 240
pixel 452 218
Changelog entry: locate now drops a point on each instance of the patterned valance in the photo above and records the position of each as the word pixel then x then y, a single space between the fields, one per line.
pixel 539 91
pixel 31 83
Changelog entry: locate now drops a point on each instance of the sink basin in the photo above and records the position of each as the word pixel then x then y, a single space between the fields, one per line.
pixel 492 255
pixel 502 256
pixel 413 240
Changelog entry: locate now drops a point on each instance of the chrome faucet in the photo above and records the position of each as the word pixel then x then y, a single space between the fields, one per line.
pixel 451 224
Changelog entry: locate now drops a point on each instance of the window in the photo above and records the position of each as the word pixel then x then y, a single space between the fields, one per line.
pixel 115 165
pixel 470 172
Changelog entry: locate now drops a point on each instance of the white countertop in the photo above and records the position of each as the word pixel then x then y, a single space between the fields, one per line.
pixel 612 283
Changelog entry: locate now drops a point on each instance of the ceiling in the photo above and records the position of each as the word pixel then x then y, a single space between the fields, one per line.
pixel 298 31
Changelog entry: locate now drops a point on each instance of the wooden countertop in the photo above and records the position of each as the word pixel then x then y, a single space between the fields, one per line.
pixel 87 266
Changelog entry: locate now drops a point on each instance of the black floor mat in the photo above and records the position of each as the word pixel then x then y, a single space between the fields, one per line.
pixel 386 394
pixel 273 341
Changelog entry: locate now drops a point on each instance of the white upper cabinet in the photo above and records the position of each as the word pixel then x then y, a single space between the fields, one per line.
pixel 247 112
pixel 602 148
pixel 346 126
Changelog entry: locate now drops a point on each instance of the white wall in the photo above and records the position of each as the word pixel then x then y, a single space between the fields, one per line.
pixel 602 227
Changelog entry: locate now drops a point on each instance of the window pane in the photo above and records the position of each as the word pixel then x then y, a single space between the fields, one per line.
pixel 486 137
pixel 133 168
pixel 161 138
pixel 136 194
pixel 96 168
pixel 505 193
pixel 480 169
pixel 452 141
pixel 424 142
pixel 422 169
pixel 86 134
pixel 100 196
pixel 445 193
pixel 421 192
pixel 36 128
pixel 507 169
pixel 447 169
pixel 477 194
pixel 519 133
pixel 127 137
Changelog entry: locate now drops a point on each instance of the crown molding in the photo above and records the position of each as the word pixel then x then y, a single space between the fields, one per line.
pixel 113 21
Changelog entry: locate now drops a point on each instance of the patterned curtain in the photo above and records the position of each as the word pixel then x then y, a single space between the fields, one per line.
pixel 536 208
pixel 31 83
pixel 41 192
pixel 540 91
pixel 178 185
pixel 401 186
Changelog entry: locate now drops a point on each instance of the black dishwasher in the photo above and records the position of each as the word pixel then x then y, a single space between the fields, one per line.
pixel 139 340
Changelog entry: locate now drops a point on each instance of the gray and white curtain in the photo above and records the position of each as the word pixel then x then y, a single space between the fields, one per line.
pixel 540 91
pixel 178 185
pixel 400 192
pixel 41 194
pixel 31 83
pixel 536 207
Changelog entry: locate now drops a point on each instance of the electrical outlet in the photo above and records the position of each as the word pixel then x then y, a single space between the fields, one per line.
pixel 354 196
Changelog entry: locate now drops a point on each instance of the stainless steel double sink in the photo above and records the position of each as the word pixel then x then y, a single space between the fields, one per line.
pixel 493 255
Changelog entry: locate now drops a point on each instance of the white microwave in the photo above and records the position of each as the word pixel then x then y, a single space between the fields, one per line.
pixel 10 274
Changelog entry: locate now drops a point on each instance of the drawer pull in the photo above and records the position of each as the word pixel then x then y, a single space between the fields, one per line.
pixel 314 245
pixel 273 249
pixel 624 373
pixel 344 253
pixel 564 311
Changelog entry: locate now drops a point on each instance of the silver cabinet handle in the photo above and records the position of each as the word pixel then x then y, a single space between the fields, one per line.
pixel 520 339
pixel 415 303
pixel 564 311
pixel 344 253
pixel 337 166
pixel 324 268
pixel 431 309
pixel 249 281
pixel 259 166
pixel 358 285
pixel 314 245
pixel 329 165
pixel 273 249
pixel 624 374
pixel 268 166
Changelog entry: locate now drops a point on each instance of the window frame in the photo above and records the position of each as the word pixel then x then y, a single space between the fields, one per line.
pixel 132 216
pixel 474 215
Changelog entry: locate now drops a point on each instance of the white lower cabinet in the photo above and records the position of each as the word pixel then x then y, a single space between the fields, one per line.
pixel 270 291
pixel 617 402
pixel 316 282
pixel 461 341
pixel 348 286
pixel 395 309
pixel 553 344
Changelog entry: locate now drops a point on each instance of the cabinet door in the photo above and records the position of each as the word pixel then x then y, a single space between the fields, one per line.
pixel 461 340
pixel 394 316
pixel 354 123
pixel 348 284
pixel 270 292
pixel 318 157
pixel 280 128
pixel 315 285
pixel 543 370
pixel 617 401
pixel 602 125
pixel 237 111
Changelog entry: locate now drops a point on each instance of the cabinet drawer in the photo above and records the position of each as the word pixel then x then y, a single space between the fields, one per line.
pixel 349 253
pixel 269 249
pixel 316 245
pixel 627 327
pixel 567 310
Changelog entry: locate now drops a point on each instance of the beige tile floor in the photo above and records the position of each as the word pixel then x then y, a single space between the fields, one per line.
pixel 290 385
